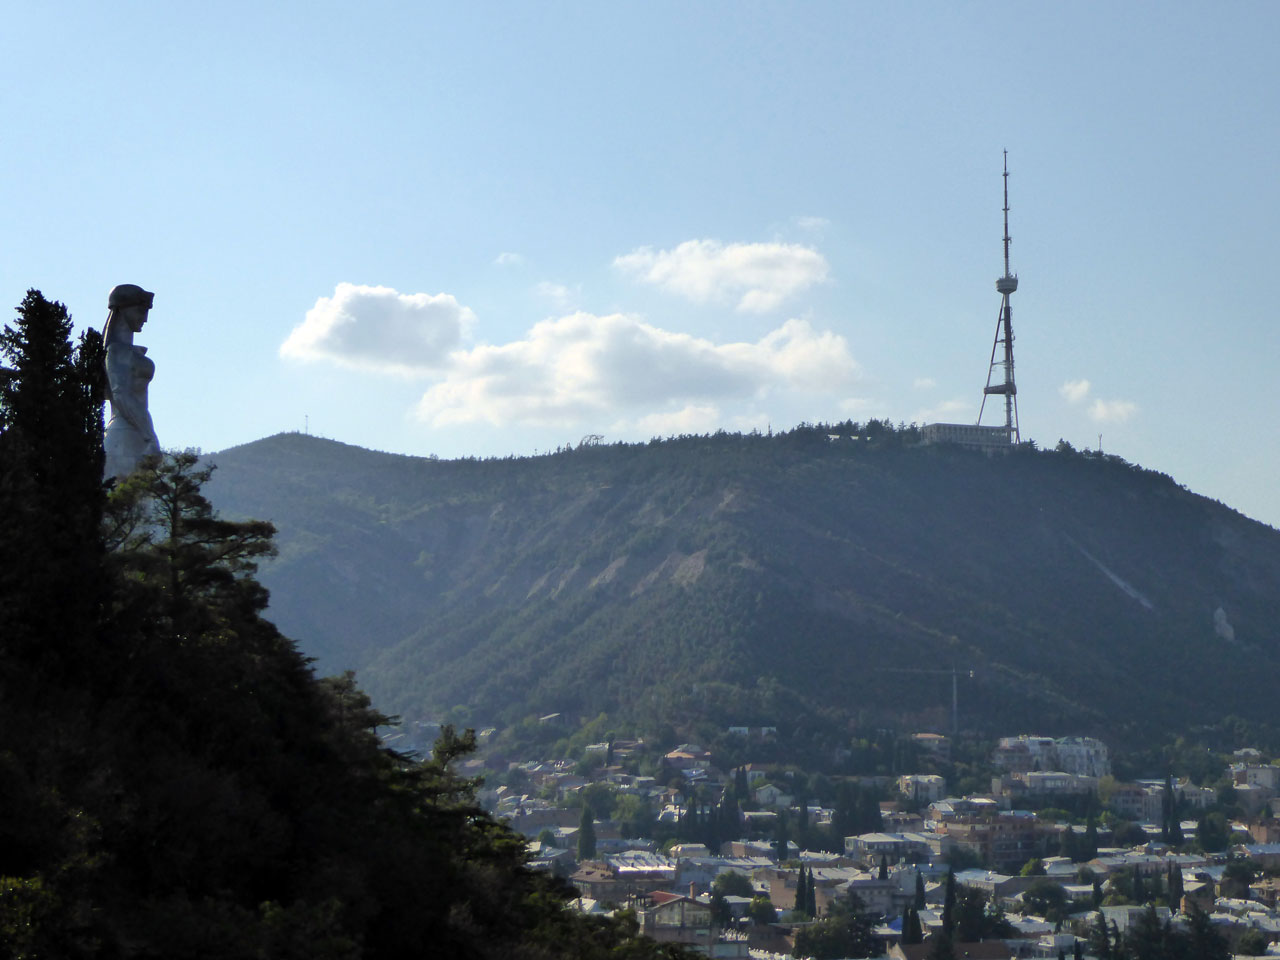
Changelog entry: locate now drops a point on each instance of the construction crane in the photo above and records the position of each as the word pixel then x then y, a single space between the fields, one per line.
pixel 955 687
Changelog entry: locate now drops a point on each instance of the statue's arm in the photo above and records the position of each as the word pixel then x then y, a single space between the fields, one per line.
pixel 124 402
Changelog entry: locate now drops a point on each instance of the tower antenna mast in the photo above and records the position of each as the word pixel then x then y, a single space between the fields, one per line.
pixel 1001 369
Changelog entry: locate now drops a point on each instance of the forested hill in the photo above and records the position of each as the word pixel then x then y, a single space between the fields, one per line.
pixel 789 579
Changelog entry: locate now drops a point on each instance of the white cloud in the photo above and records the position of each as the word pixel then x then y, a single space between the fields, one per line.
pixel 760 275
pixel 379 329
pixel 857 406
pixel 584 366
pixel 1112 411
pixel 508 259
pixel 1102 411
pixel 948 411
pixel 812 223
pixel 557 293
pixel 1073 391
pixel 746 422
pixel 924 383
pixel 692 418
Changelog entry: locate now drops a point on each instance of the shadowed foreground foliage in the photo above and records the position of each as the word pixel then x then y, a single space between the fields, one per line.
pixel 174 780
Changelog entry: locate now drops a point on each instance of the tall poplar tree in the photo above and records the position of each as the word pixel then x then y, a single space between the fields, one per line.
pixel 586 834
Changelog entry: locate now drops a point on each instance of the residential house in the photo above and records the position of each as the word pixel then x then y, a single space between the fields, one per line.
pixel 687 756
pixel 1043 783
pixel 1003 842
pixel 1264 830
pixel 1257 775
pixel 1128 800
pixel 675 918
pixel 1126 916
pixel 1198 797
pixel 702 871
pixel 902 821
pixel 922 787
pixel 770 795
pixel 997 886
pixel 596 881
pixel 870 848
pixel 959 807
pixel 934 745
pixel 1266 855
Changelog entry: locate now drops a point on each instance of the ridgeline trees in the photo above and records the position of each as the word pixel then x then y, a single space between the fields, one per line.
pixel 175 780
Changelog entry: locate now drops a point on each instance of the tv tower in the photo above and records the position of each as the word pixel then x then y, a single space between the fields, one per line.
pixel 1004 337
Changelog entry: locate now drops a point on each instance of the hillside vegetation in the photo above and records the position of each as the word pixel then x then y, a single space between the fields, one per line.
pixel 788 579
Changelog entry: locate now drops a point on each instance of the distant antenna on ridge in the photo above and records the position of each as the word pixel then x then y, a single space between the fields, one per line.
pixel 1002 359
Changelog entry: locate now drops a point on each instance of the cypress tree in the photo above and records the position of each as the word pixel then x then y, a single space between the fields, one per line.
pixel 1067 844
pixel 1146 937
pixel 1166 809
pixel 844 819
pixel 1090 839
pixel 801 896
pixel 1099 939
pixel 884 867
pixel 943 947
pixel 586 834
pixel 875 821
pixel 811 895
pixel 731 817
pixel 1175 886
pixel 919 900
pixel 1204 941
pixel 912 930
pixel 949 904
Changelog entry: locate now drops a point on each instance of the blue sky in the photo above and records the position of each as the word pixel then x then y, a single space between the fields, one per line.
pixel 484 229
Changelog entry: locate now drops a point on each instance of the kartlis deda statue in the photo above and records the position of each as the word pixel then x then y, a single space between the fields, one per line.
pixel 130 435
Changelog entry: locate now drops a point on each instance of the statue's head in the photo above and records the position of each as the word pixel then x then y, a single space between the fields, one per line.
pixel 129 302
pixel 129 295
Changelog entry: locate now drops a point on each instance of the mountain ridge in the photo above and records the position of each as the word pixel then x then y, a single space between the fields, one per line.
pixel 793 575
